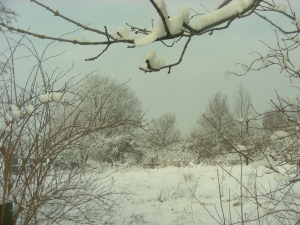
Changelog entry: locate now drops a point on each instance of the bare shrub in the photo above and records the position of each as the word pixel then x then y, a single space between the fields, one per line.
pixel 39 122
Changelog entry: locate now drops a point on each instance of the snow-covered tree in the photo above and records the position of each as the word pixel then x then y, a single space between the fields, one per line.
pixel 106 101
pixel 103 102
pixel 216 117
pixel 163 132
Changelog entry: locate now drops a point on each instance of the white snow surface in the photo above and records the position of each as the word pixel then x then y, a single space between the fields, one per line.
pixel 235 7
pixel 174 195
pixel 178 195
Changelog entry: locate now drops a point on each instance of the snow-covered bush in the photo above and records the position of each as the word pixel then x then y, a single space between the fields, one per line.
pixel 178 154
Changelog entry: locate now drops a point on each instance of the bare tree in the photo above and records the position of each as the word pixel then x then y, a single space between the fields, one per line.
pixel 242 103
pixel 181 27
pixel 243 112
pixel 40 119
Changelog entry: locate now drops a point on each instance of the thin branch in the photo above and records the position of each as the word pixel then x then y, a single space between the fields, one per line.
pixel 41 36
pixel 56 13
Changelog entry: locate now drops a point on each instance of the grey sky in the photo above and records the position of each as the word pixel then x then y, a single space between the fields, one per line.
pixel 184 92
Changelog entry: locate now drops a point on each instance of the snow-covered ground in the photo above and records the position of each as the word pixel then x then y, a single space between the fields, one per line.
pixel 188 195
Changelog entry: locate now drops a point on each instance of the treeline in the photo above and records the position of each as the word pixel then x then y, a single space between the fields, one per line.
pixel 218 136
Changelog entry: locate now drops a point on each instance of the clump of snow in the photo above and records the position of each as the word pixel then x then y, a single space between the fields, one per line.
pixel 242 148
pixel 278 134
pixel 13 126
pixel 281 7
pixel 233 8
pixel 298 23
pixel 296 39
pixel 9 118
pixel 280 177
pixel 48 97
pixel 157 32
pixel 175 22
pixel 266 62
pixel 292 101
pixel 80 39
pixel 56 96
pixel 155 63
pixel 44 98
pixel 8 129
pixel 29 109
pixel 267 162
pixel 297 69
pixel 15 111
pixel 64 100
pixel 162 7
pixel 174 25
pixel 122 33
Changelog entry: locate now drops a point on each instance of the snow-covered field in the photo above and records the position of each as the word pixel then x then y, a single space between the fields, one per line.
pixel 188 195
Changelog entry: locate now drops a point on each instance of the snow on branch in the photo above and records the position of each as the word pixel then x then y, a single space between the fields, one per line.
pixel 233 8
pixel 152 63
pixel 168 27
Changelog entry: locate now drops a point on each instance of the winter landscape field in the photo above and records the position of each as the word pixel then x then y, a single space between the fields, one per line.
pixel 114 114
pixel 195 195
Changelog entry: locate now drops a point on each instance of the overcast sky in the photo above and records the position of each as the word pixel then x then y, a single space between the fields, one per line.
pixel 186 91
